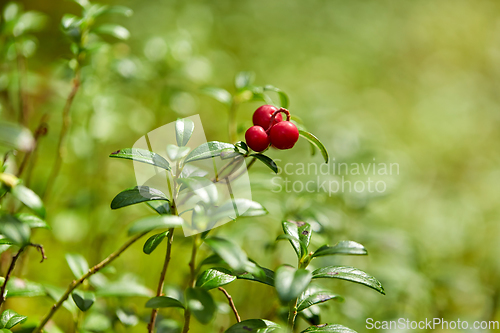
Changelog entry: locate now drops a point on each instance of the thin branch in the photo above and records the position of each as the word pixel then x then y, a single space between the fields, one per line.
pixel 40 248
pixel 78 282
pixel 192 279
pixel 231 304
pixel 159 290
pixel 40 131
pixel 9 273
pixel 62 135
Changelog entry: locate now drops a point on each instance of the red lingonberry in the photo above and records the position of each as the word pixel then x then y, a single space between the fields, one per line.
pixel 257 138
pixel 284 135
pixel 262 116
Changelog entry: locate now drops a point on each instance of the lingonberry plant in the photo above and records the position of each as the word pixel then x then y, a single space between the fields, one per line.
pixel 191 201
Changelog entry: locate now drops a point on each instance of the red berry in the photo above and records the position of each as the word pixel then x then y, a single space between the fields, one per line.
pixel 257 138
pixel 262 116
pixel 284 135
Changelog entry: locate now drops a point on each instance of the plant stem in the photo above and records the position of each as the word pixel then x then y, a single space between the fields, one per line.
pixel 9 273
pixel 21 73
pixel 192 279
pixel 62 135
pixel 73 285
pixel 159 290
pixel 231 304
pixel 292 313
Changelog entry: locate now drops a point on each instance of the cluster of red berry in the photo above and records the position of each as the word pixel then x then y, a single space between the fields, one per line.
pixel 270 129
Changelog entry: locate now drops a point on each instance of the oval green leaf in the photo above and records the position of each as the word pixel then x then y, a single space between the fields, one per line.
pixel 153 242
pixel 253 326
pixel 350 274
pixel 214 278
pixel 83 300
pixel 183 130
pixel 308 299
pixel 315 141
pixel 143 156
pixel 29 198
pixel 137 195
pixel 207 150
pixel 201 304
pixel 267 161
pixel 155 222
pixel 14 230
pixel 333 328
pixel 10 318
pixel 342 247
pixel 77 264
pixel 290 282
pixel 163 302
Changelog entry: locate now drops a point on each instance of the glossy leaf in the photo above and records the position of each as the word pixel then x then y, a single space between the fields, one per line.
pixel 201 304
pixel 163 302
pixel 10 318
pixel 114 30
pixel 342 247
pixel 214 278
pixel 83 299
pixel 219 94
pixel 32 221
pixel 143 156
pixel 315 141
pixel 161 207
pixel 137 195
pixel 309 298
pixel 326 328
pixel 298 240
pixel 15 136
pixel 29 198
pixel 268 277
pixel 207 150
pixel 153 242
pixel 267 161
pixel 290 282
pixel 23 288
pixel 349 274
pixel 245 208
pixel 253 326
pixel 77 264
pixel 155 222
pixel 14 230
pixel 121 10
pixel 176 153
pixel 183 130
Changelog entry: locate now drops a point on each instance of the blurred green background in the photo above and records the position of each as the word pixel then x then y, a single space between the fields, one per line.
pixel 408 82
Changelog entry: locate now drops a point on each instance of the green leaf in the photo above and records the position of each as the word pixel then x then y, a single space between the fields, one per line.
pixel 201 304
pixel 84 300
pixel 245 207
pixel 219 94
pixel 176 153
pixel 10 318
pixel 268 277
pixel 126 318
pixel 284 101
pixel 315 141
pixel 214 278
pixel 207 150
pixel 14 230
pixel 96 322
pixel 290 282
pixel 312 315
pixel 349 274
pixel 231 253
pixel 333 328
pixel 77 264
pixel 163 302
pixel 15 136
pixel 243 80
pixel 114 30
pixel 143 156
pixel 153 242
pixel 162 208
pixel 342 247
pixel 29 198
pixel 32 221
pixel 267 161
pixel 4 330
pixel 204 188
pixel 155 222
pixel 23 288
pixel 309 298
pixel 121 10
pixel 137 195
pixel 183 130
pixel 298 239
pixel 253 326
